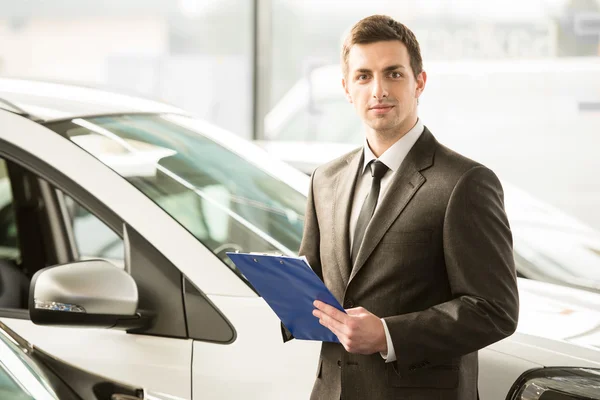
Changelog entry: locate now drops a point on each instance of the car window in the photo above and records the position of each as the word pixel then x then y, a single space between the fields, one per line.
pixel 21 378
pixel 219 196
pixel 92 237
pixel 9 388
pixel 9 245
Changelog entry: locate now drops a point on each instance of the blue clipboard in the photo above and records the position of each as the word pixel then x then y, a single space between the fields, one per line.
pixel 289 286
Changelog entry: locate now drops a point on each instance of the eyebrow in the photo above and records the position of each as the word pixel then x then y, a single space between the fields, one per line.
pixel 386 69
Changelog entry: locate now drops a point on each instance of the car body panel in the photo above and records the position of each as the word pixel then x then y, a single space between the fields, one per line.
pixel 557 312
pixel 548 352
pixel 257 359
pixel 157 363
pixel 40 375
pixel 498 371
pixel 503 362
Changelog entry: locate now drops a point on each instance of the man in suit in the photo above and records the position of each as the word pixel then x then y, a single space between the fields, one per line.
pixel 411 237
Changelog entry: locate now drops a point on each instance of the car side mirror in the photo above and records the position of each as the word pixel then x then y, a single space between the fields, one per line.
pixel 91 293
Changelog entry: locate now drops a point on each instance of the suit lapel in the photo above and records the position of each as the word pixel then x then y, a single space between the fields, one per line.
pixel 406 182
pixel 342 206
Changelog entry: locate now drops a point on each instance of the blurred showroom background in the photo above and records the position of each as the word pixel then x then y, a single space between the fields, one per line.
pixel 513 84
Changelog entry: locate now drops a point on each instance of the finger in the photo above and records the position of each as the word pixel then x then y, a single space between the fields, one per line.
pixel 330 322
pixel 331 311
pixel 340 335
pixel 355 311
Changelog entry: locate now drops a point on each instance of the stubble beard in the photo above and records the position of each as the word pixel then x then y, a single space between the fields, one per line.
pixel 385 131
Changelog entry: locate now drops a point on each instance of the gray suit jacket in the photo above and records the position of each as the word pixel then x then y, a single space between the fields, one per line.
pixel 436 263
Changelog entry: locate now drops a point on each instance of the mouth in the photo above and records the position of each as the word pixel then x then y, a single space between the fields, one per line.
pixel 381 109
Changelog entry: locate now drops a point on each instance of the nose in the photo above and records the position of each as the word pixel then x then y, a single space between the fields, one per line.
pixel 380 91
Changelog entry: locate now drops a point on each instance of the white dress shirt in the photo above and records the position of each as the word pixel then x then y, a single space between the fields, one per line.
pixel 392 158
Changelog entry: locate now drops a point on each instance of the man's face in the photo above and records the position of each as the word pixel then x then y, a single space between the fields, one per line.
pixel 382 86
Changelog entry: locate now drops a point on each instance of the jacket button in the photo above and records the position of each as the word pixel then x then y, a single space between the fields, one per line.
pixel 339 363
pixel 348 304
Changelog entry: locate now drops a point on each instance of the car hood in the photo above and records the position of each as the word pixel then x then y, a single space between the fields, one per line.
pixel 558 326
pixel 554 246
pixel 557 312
pixel 547 352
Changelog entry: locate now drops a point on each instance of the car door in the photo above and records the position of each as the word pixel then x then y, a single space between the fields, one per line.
pixel 160 358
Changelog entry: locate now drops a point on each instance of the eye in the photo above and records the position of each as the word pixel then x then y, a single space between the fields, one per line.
pixel 361 77
pixel 396 75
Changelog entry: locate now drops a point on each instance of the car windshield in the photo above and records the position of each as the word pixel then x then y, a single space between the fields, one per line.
pixel 196 174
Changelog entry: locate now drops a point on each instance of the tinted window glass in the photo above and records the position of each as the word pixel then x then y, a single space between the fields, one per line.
pixel 93 238
pixel 9 245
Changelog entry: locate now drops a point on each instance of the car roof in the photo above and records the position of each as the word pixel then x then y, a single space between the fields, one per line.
pixel 45 101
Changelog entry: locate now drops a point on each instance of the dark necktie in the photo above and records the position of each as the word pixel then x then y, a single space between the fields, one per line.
pixel 378 170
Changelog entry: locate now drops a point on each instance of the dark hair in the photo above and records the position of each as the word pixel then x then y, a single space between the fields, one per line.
pixel 377 28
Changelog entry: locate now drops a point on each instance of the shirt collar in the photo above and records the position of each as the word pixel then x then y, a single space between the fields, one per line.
pixel 394 156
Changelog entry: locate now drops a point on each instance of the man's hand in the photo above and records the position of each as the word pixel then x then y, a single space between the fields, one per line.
pixel 359 331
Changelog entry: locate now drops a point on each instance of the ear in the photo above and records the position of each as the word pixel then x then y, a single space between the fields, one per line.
pixel 346 92
pixel 421 81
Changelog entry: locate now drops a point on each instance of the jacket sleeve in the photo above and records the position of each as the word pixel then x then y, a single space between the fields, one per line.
pixel 310 245
pixel 479 260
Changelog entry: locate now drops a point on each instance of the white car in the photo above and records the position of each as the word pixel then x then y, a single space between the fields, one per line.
pixel 28 373
pixel 113 255
pixel 313 124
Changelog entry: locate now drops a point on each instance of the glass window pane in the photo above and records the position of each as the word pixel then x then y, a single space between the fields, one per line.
pixel 93 238
pixel 10 389
pixel 9 244
pixel 221 197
